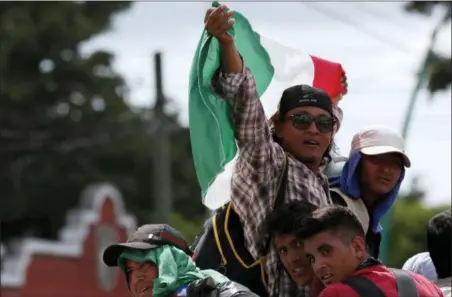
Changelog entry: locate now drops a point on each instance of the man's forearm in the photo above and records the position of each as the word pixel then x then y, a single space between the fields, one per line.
pixel 230 59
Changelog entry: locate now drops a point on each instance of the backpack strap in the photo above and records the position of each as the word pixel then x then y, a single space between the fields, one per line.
pixel 357 206
pixel 363 286
pixel 337 198
pixel 279 196
pixel 406 286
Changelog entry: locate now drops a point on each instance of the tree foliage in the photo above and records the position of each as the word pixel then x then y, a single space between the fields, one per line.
pixel 440 66
pixel 65 123
pixel 408 227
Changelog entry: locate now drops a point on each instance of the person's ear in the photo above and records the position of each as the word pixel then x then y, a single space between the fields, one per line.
pixel 277 125
pixel 358 246
pixel 279 129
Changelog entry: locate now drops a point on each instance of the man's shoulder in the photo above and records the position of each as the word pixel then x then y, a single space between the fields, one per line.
pixel 337 290
pixel 377 274
pixel 425 286
pixel 421 263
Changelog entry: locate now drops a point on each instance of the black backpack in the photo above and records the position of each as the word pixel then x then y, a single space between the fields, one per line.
pixel 221 246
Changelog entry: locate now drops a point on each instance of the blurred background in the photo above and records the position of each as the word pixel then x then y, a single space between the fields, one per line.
pixel 93 124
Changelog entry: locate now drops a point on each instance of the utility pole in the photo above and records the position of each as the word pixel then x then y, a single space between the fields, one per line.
pixel 161 144
pixel 422 77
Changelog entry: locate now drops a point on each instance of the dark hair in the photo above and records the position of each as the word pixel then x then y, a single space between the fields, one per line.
pixel 439 243
pixel 287 219
pixel 331 218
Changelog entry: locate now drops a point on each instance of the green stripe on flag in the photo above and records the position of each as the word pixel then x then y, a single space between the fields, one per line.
pixel 211 131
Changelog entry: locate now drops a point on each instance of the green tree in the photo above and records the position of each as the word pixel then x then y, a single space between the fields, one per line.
pixel 64 121
pixel 439 66
pixel 408 227
pixel 189 228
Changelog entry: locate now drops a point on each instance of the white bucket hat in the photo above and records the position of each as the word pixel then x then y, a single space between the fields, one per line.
pixel 378 140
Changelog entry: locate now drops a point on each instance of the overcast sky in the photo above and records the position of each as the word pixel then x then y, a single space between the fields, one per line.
pixel 379 45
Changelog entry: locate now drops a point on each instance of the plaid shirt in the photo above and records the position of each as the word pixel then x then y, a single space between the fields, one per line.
pixel 257 173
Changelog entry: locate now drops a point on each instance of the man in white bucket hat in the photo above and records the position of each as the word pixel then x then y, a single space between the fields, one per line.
pixel 379 140
pixel 370 179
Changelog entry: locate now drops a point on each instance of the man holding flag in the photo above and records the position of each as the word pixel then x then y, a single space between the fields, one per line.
pixel 304 125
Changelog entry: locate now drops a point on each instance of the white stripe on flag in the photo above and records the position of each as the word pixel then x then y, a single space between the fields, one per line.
pixel 292 67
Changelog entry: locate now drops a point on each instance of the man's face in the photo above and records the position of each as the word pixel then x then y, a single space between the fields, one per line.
pixel 332 259
pixel 303 138
pixel 380 173
pixel 141 277
pixel 293 257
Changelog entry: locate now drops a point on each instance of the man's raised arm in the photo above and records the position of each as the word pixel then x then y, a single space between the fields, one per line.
pixel 235 83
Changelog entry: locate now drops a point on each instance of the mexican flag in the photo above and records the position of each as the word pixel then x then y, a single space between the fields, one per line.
pixel 275 67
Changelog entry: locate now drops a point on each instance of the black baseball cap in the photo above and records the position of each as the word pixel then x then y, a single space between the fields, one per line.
pixel 304 95
pixel 147 237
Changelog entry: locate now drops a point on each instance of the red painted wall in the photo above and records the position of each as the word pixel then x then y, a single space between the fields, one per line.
pixel 56 276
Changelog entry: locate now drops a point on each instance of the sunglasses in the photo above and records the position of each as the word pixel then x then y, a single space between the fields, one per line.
pixel 324 123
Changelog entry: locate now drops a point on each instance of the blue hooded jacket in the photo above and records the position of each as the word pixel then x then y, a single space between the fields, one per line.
pixel 348 182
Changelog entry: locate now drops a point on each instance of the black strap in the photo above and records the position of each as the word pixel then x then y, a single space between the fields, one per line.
pixel 337 199
pixel 406 286
pixel 363 286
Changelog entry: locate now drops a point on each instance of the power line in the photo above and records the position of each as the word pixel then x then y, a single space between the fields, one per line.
pixel 371 12
pixel 366 9
pixel 359 27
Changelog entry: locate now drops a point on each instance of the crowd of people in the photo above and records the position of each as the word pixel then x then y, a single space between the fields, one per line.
pixel 308 236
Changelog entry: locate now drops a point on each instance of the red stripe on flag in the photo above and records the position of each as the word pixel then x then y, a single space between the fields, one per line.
pixel 173 239
pixel 327 76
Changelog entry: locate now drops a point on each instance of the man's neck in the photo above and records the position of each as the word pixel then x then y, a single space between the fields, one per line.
pixel 310 163
pixel 367 261
pixel 314 168
pixel 368 197
pixel 315 287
